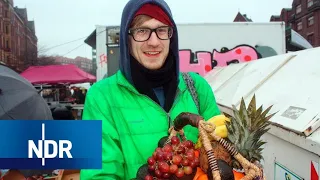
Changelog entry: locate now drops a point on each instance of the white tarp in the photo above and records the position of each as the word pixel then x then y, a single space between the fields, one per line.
pixel 290 82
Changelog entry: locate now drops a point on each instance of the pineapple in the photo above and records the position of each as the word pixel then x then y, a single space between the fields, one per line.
pixel 245 129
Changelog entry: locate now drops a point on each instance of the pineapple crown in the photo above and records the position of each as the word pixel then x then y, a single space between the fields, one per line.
pixel 246 128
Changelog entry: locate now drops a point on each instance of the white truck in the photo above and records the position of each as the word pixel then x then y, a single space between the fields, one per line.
pixel 206 46
pixel 203 46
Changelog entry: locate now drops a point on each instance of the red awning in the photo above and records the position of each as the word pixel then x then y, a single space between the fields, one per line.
pixel 57 74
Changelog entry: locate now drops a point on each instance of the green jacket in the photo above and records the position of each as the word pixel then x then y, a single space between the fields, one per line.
pixel 133 123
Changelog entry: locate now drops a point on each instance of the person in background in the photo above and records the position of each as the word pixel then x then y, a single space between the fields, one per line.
pixel 138 103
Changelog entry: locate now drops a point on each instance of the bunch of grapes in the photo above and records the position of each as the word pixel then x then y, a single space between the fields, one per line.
pixel 174 159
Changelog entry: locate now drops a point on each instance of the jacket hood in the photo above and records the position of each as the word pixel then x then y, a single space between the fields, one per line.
pixel 127 16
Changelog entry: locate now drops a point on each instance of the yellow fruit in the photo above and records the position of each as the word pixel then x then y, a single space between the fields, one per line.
pixel 220 128
pixel 221 131
pixel 198 144
pixel 219 120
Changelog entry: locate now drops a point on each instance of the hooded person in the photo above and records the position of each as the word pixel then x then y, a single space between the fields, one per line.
pixel 138 103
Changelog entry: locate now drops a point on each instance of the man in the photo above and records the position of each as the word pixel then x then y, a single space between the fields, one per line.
pixel 138 103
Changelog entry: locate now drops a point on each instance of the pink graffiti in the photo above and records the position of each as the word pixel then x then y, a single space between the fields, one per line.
pixel 205 61
pixel 240 53
pixel 103 59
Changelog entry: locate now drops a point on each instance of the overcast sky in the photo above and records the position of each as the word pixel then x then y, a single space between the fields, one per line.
pixel 61 21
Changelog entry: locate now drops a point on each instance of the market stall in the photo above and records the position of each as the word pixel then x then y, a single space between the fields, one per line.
pixel 290 83
pixel 57 74
pixel 56 83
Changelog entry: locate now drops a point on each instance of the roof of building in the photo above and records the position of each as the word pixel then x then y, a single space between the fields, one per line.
pixel 244 17
pixel 91 39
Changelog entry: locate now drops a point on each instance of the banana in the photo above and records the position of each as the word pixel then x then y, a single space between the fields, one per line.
pixel 221 129
pixel 219 120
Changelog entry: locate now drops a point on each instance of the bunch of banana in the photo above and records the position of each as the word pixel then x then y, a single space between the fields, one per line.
pixel 220 127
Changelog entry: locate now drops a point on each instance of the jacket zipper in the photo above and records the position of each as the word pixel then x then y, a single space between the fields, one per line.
pixel 167 113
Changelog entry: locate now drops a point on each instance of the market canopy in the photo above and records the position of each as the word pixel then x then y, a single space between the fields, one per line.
pixel 57 74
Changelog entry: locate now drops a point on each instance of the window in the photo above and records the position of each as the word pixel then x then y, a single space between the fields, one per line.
pixel 298 9
pixel 310 21
pixel 6 15
pixel 310 38
pixel 310 3
pixel 7 29
pixel 299 26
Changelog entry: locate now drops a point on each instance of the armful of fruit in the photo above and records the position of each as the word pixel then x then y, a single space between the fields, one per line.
pixel 183 160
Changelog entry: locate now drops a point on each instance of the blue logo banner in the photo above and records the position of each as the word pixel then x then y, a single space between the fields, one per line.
pixel 63 144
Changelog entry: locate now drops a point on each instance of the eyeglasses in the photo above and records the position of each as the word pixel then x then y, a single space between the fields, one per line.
pixel 143 34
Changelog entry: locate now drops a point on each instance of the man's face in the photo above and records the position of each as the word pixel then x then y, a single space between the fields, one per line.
pixel 153 52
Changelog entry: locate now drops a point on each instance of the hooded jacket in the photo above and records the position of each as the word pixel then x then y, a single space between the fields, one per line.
pixel 132 122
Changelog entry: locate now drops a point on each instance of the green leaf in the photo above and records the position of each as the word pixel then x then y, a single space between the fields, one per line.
pixel 257 117
pixel 270 116
pixel 252 107
pixel 266 111
pixel 242 107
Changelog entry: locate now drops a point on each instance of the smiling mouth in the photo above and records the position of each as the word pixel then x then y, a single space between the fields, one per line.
pixel 152 54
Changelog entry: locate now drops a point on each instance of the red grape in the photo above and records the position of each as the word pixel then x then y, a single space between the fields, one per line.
pixel 151 167
pixel 188 144
pixel 166 175
pixel 159 156
pixel 193 164
pixel 168 156
pixel 190 155
pixel 151 161
pixel 148 177
pixel 190 151
pixel 167 148
pixel 187 170
pixel 158 149
pixel 176 159
pixel 175 140
pixel 173 168
pixel 164 167
pixel 179 173
pixel 197 161
pixel 181 150
pixel 154 155
pixel 160 163
pixel 185 162
pixel 158 173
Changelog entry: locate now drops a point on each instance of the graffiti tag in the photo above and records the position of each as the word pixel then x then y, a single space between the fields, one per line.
pixel 204 61
pixel 103 59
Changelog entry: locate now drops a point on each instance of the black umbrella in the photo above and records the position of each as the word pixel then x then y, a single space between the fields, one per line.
pixel 19 99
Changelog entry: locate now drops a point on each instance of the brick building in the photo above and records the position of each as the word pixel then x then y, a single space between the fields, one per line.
pixel 241 18
pixel 18 42
pixel 304 18
pixel 82 62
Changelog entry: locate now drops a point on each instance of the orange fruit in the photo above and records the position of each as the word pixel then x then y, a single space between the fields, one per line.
pixel 203 177
pixel 197 153
pixel 198 173
pixel 237 175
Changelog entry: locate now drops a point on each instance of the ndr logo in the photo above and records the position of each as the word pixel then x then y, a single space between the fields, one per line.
pixel 43 146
